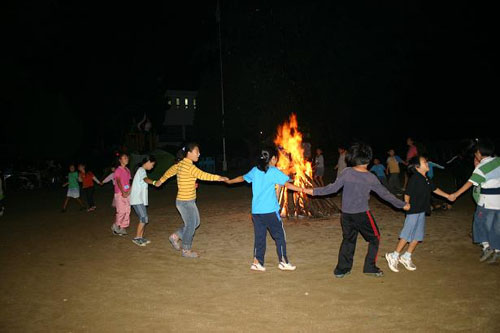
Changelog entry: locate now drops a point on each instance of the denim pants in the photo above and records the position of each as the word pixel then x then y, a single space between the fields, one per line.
pixel 486 227
pixel 191 217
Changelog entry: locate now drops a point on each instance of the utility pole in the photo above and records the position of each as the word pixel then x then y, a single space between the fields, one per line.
pixel 224 160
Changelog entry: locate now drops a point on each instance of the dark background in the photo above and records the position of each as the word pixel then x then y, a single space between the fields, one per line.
pixel 75 74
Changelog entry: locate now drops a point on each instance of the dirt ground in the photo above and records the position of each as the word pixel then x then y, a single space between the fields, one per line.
pixel 68 273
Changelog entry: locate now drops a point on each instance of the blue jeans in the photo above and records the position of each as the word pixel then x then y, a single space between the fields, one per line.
pixel 486 227
pixel 191 217
pixel 142 212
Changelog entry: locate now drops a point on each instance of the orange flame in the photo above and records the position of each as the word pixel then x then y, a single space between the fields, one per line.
pixel 291 159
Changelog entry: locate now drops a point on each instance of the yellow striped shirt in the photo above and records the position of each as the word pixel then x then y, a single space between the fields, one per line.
pixel 187 173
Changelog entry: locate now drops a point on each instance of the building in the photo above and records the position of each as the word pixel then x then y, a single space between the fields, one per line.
pixel 179 116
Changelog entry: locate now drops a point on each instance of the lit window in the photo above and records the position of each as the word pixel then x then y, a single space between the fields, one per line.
pixel 186 101
pixel 169 101
pixel 177 101
pixel 194 103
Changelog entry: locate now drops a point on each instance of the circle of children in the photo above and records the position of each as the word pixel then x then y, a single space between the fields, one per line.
pixel 356 181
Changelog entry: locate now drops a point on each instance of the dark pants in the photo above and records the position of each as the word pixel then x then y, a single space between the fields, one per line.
pixel 89 196
pixel 352 224
pixel 263 222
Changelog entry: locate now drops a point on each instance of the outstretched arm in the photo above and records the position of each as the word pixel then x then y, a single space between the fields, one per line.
pixel 292 187
pixel 382 192
pixel 464 188
pixel 238 179
pixel 172 171
pixel 202 175
pixel 443 194
pixel 328 189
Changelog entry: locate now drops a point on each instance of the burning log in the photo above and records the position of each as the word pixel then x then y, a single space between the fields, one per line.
pixel 293 163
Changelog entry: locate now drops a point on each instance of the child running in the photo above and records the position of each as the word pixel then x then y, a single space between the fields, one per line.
pixel 122 200
pixel 73 188
pixel 187 174
pixel 358 182
pixel 418 195
pixel 139 197
pixel 265 208
pixel 87 178
pixel 486 181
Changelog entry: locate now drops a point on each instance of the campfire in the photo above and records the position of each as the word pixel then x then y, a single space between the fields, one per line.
pixel 293 163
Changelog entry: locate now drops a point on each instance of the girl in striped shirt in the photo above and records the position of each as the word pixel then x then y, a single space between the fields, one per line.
pixel 187 174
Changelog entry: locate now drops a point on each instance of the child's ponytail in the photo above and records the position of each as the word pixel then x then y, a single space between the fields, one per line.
pixel 265 156
pixel 182 153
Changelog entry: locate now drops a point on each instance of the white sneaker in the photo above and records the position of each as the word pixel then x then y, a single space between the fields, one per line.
pixel 286 266
pixel 407 263
pixel 258 267
pixel 392 262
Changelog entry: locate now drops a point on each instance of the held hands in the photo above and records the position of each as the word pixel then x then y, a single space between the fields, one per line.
pixel 308 191
pixel 452 197
pixel 158 183
pixel 223 179
pixel 407 207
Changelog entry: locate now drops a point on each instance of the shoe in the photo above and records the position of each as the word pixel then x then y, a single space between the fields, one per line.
pixel 494 259
pixel 175 243
pixel 257 267
pixel 139 241
pixel 116 230
pixel 146 241
pixel 376 274
pixel 341 275
pixel 407 263
pixel 123 231
pixel 286 266
pixel 487 252
pixel 392 262
pixel 62 211
pixel 189 254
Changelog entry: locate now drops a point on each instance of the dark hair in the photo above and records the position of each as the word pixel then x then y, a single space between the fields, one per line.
pixel 414 163
pixel 118 157
pixel 182 153
pixel 359 154
pixel 266 154
pixel 485 147
pixel 148 158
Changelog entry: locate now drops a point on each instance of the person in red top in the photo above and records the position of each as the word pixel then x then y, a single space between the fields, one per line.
pixel 411 153
pixel 87 178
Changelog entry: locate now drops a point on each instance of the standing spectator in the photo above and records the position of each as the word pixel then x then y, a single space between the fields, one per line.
pixel 341 164
pixel 379 170
pixel 319 167
pixel 393 171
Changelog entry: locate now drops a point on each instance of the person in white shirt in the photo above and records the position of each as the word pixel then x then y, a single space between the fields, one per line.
pixel 139 197
pixel 319 167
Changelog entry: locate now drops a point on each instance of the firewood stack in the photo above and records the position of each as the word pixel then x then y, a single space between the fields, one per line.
pixel 294 204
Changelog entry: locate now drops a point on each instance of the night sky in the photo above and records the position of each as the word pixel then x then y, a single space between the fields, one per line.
pixel 75 74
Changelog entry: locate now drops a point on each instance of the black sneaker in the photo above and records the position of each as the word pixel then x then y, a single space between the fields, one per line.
pixel 376 274
pixel 341 275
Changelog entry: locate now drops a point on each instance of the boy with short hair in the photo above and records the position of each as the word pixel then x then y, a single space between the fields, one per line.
pixel 486 182
pixel 392 171
pixel 358 182
pixel 418 195
pixel 379 170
